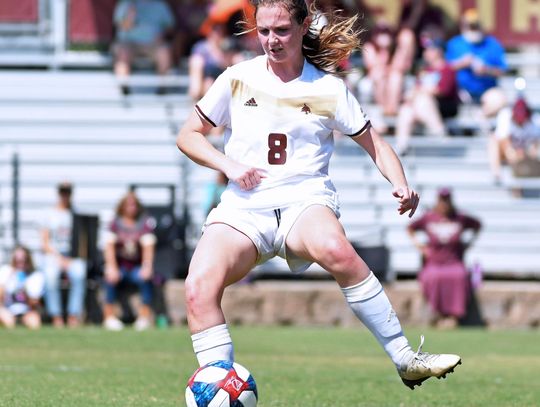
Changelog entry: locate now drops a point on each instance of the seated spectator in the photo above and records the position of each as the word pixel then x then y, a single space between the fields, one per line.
pixel 444 278
pixel 516 138
pixel 433 99
pixel 129 258
pixel 141 29
pixel 209 58
pixel 479 60
pixel 386 61
pixel 21 289
pixel 60 261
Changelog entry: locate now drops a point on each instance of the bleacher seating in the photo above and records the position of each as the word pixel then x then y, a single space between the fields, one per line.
pixel 78 126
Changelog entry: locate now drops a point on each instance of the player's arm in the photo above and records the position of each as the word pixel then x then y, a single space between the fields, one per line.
pixel 390 167
pixel 192 142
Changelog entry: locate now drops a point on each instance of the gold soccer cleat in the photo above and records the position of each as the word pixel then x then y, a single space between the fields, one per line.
pixel 423 365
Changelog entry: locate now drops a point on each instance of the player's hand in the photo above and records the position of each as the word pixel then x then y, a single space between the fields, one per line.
pixel 408 200
pixel 246 177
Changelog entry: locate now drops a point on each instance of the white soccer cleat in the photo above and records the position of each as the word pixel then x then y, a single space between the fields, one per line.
pixel 423 365
pixel 113 324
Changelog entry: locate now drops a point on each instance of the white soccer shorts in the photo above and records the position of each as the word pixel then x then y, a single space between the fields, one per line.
pixel 268 228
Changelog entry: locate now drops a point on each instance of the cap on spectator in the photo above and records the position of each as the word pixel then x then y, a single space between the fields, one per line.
pixel 444 193
pixel 471 17
pixel 521 112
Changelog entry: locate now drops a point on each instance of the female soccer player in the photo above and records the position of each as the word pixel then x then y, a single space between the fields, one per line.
pixel 279 111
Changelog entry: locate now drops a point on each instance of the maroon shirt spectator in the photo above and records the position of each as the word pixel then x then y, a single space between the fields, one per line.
pixel 444 278
pixel 128 240
pixel 129 256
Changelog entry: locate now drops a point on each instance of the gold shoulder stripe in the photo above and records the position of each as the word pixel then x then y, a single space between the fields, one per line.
pixel 320 105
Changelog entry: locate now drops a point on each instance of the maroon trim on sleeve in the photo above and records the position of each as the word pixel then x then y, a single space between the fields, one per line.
pixel 203 116
pixel 363 129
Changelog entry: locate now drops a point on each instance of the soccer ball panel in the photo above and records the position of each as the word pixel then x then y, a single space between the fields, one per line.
pixel 248 399
pixel 210 374
pixel 221 399
pixel 241 371
pixel 190 398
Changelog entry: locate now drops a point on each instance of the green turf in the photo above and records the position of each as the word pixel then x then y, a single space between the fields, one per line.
pixel 293 367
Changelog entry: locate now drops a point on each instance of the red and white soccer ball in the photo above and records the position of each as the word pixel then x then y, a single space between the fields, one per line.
pixel 221 384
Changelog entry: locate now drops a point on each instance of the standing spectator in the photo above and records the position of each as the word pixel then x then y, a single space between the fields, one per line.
pixel 433 99
pixel 444 278
pixel 479 60
pixel 21 289
pixel 129 258
pixel 516 138
pixel 141 29
pixel 56 237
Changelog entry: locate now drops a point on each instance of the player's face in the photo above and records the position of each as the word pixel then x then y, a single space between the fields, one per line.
pixel 280 36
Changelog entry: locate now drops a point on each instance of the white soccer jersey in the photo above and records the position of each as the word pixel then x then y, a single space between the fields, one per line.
pixel 282 128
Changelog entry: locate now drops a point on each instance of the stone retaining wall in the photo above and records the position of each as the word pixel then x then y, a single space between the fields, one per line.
pixel 500 304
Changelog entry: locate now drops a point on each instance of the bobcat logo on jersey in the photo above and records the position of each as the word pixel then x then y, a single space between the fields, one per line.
pixel 306 109
pixel 251 102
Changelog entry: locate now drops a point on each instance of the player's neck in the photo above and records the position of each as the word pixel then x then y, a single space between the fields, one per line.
pixel 286 72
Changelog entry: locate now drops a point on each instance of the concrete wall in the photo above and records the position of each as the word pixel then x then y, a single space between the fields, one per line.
pixel 501 304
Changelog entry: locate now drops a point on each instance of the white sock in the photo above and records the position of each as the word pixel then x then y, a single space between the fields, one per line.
pixel 213 344
pixel 370 304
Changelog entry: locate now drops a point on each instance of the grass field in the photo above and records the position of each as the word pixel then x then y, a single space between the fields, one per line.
pixel 319 367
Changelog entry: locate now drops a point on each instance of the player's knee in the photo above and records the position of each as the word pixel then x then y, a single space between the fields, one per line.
pixel 199 293
pixel 337 254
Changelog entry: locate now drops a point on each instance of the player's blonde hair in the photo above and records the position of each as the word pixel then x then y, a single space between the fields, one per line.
pixel 330 46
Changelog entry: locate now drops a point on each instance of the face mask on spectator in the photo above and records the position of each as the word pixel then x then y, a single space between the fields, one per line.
pixel 473 36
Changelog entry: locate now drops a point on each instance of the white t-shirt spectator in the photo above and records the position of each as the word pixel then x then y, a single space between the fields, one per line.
pixel 19 287
pixel 520 136
pixel 59 223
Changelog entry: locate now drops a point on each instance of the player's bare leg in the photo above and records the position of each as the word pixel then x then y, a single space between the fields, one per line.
pixel 325 243
pixel 223 256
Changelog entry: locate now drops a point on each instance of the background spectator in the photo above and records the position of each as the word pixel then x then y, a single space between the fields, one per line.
pixel 385 67
pixel 516 139
pixel 141 28
pixel 433 99
pixel 189 16
pixel 129 257
pixel 479 60
pixel 209 58
pixel 21 289
pixel 56 237
pixel 423 19
pixel 444 278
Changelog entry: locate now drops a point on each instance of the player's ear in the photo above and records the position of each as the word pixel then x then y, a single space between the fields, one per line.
pixel 305 25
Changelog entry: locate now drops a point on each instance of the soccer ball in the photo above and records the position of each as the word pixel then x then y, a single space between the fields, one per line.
pixel 221 384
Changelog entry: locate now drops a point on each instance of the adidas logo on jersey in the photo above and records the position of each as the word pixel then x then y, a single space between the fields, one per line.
pixel 251 102
pixel 306 109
